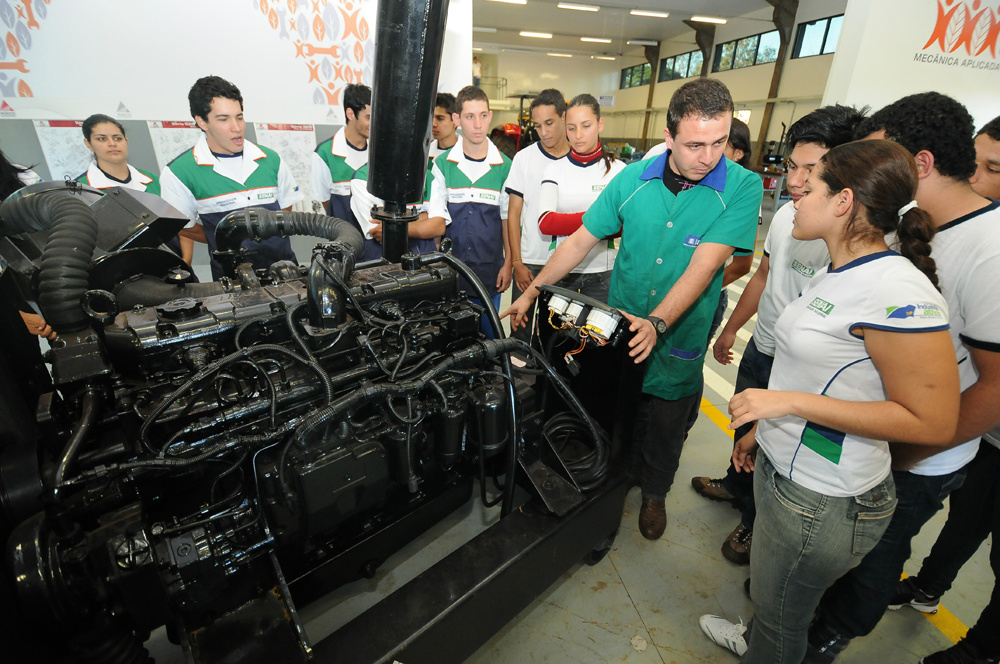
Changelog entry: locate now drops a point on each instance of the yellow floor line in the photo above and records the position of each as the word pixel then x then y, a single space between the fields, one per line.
pixel 944 620
pixel 721 419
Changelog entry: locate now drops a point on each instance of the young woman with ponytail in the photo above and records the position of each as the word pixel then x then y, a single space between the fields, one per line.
pixel 569 188
pixel 862 357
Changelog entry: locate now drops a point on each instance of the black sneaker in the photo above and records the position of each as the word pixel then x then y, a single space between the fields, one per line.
pixel 963 652
pixel 908 594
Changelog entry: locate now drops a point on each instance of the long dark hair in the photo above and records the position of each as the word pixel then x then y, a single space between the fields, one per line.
pixel 883 176
pixel 589 101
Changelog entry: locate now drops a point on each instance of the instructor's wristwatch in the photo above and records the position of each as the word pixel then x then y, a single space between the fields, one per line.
pixel 658 325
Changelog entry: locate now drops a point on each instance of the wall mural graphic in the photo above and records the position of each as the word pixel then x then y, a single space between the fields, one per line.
pixel 331 37
pixel 18 18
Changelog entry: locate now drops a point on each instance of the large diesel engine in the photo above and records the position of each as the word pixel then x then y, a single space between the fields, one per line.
pixel 206 446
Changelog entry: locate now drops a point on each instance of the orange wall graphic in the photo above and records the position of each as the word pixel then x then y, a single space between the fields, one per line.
pixel 971 26
pixel 18 18
pixel 331 39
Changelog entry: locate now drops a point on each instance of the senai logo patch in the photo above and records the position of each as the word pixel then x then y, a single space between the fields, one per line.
pixel 822 307
pixel 692 241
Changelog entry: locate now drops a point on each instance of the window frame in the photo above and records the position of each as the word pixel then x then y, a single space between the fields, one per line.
pixel 645 71
pixel 735 45
pixel 800 33
pixel 660 78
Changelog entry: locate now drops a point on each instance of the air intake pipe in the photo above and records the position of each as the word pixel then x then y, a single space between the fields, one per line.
pixel 408 47
pixel 65 262
pixel 258 224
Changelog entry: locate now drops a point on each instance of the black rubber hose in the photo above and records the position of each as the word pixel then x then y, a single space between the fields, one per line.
pixel 513 424
pixel 89 412
pixel 65 264
pixel 151 291
pixel 258 224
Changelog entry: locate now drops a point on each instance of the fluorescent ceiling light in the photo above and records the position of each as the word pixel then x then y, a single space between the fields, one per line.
pixel 646 12
pixel 474 48
pixel 539 35
pixel 477 28
pixel 642 42
pixel 708 19
pixel 602 57
pixel 579 8
pixel 595 40
pixel 511 2
pixel 560 55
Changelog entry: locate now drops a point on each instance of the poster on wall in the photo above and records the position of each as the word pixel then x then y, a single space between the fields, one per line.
pixel 63 148
pixel 295 143
pixel 171 138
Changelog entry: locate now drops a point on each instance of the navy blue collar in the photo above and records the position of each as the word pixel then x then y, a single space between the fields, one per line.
pixel 862 260
pixel 992 205
pixel 545 152
pixel 716 178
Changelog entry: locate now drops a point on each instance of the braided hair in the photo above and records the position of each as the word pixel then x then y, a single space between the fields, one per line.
pixel 883 176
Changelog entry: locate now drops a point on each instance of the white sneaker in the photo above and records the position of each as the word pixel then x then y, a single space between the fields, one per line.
pixel 724 633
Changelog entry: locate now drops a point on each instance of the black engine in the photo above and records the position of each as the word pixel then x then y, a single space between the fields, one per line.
pixel 208 451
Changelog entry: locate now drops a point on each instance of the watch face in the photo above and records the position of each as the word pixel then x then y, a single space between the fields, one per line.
pixel 661 327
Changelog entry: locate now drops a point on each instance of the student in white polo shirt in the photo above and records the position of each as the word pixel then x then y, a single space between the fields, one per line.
pixel 223 173
pixel 862 358
pixel 336 159
pixel 529 249
pixel 105 138
pixel 784 270
pixel 938 132
pixel 570 186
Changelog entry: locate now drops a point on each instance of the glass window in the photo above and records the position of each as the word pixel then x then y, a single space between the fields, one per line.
pixel 746 51
pixel 812 35
pixel 681 66
pixel 646 74
pixel 833 34
pixel 724 56
pixel 666 69
pixel 767 51
pixel 626 78
pixel 694 67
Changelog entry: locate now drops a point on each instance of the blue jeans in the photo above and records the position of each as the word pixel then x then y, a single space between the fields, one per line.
pixel 973 513
pixel 855 603
pixel 755 372
pixel 803 541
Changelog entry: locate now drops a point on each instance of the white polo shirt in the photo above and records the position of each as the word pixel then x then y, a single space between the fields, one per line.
pixel 967 254
pixel 792 264
pixel 819 352
pixel 525 181
pixel 572 186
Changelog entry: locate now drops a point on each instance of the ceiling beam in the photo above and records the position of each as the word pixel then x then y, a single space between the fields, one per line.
pixel 704 37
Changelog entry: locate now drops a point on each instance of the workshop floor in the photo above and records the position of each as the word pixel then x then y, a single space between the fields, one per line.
pixel 641 603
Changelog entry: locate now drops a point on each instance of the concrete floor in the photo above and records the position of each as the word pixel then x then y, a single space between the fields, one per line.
pixel 641 603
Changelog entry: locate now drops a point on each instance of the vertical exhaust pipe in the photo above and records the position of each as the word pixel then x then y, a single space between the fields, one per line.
pixel 408 45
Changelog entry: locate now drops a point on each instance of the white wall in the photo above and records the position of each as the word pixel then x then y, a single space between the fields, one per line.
pixel 876 66
pixel 145 55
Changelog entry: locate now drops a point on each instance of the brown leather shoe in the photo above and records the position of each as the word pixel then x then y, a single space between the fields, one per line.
pixel 736 548
pixel 652 518
pixel 712 489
